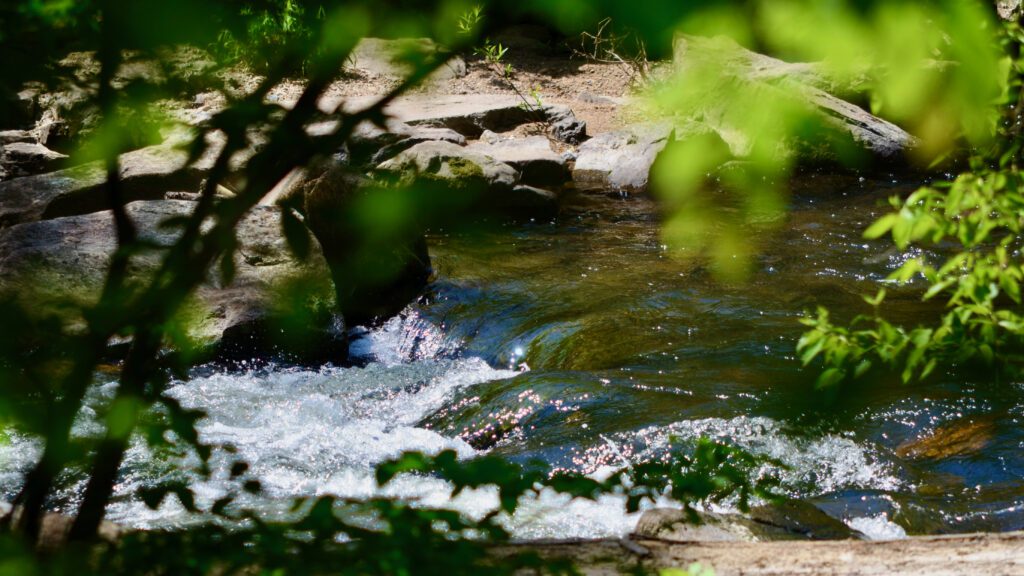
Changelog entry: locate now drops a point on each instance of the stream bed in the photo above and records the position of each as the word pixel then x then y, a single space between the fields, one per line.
pixel 584 343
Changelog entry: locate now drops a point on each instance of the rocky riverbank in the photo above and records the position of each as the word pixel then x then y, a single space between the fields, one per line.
pixel 464 146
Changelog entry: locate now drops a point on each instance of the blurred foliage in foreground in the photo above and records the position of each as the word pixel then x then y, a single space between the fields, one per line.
pixel 332 535
pixel 937 68
pixel 933 68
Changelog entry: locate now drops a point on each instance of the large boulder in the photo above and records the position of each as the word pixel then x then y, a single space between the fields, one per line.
pixel 275 305
pixel 373 243
pixel 372 144
pixel 843 130
pixel 459 167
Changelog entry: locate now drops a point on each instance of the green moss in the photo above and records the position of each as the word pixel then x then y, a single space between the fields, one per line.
pixel 464 169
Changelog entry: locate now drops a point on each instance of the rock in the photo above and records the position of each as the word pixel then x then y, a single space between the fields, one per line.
pixel 276 304
pixel 958 439
pixel 393 58
pixel 449 183
pixel 528 201
pixel 789 520
pixel 565 127
pixel 796 518
pixel 538 164
pixel 674 525
pixel 1008 9
pixel 55 527
pixel 844 127
pixel 459 167
pixel 467 114
pixel 26 158
pixel 146 174
pixel 378 267
pixel 489 137
pixel 621 159
pixel 14 136
pixel 66 118
pixel 373 145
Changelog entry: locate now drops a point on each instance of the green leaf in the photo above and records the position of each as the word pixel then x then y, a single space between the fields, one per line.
pixel 830 378
pixel 879 297
pixel 881 226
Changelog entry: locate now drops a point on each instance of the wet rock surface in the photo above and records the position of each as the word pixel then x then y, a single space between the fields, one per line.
pixel 789 520
pixel 958 439
pixel 377 272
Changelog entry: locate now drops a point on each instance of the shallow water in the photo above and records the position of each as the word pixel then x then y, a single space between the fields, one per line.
pixel 583 342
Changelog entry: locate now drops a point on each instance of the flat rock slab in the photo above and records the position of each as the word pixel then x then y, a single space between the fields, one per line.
pixel 467 114
pixel 66 259
pixel 146 174
pixel 791 520
pixel 27 158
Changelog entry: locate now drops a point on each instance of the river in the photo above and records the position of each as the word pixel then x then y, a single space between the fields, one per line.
pixel 583 342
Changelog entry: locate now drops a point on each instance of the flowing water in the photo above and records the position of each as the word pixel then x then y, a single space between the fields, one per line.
pixel 583 342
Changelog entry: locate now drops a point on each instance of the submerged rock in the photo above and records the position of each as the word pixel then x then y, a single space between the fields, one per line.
pixel 275 305
pixel 961 438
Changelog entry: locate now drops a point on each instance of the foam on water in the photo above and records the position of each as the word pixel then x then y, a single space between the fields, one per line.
pixel 821 464
pixel 878 528
pixel 322 432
